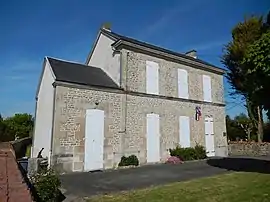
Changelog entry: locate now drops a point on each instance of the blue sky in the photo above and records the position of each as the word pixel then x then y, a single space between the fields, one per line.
pixel 66 29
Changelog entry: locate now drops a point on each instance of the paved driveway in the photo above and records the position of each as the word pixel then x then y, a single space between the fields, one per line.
pixel 89 184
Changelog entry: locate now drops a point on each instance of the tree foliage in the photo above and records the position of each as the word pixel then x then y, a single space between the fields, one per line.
pixel 17 126
pixel 243 35
pixel 234 130
pixel 258 57
pixel 246 57
pixel 239 126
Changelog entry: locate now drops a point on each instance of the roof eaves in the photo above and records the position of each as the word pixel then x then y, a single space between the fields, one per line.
pixel 112 35
pixel 158 50
pixel 61 82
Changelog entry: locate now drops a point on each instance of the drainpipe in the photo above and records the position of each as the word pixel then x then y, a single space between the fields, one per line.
pixel 121 69
pixel 52 128
pixel 126 89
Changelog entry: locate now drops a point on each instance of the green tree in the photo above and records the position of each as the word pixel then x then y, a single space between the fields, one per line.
pixel 243 35
pixel 245 124
pixel 19 125
pixel 2 129
pixel 234 132
pixel 258 57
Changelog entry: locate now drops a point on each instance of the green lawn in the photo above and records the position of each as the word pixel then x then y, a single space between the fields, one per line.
pixel 233 187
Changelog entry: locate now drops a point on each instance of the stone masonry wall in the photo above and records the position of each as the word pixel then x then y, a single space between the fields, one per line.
pixel 134 74
pixel 249 149
pixel 69 126
pixel 169 112
pixel 12 183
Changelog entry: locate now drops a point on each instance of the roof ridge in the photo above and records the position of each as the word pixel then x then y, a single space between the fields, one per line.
pixel 157 47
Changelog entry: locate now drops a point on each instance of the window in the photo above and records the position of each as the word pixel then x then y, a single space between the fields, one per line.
pixel 182 84
pixel 152 77
pixel 207 89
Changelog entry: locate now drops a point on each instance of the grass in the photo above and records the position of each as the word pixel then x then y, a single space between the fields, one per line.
pixel 233 187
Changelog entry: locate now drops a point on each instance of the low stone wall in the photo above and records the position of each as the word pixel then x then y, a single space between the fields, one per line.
pixel 12 184
pixel 249 149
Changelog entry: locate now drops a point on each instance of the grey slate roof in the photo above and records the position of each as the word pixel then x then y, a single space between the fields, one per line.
pixel 80 74
pixel 141 43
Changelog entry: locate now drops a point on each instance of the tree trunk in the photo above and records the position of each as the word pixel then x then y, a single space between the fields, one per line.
pixel 252 113
pixel 248 135
pixel 260 124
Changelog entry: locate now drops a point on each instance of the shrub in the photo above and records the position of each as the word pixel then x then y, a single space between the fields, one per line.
pixel 128 161
pixel 186 154
pixel 200 152
pixel 174 160
pixel 46 184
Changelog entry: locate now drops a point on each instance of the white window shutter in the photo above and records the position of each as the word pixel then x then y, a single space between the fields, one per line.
pixel 183 84
pixel 207 89
pixel 152 77
pixel 184 131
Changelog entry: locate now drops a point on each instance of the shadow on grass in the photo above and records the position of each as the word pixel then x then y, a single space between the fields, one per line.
pixel 241 164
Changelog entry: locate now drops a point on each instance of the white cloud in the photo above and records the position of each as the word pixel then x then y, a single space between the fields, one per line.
pixel 167 16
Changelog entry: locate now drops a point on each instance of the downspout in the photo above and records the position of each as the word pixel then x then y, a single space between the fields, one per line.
pixel 126 89
pixel 125 86
pixel 121 69
pixel 52 129
pixel 34 129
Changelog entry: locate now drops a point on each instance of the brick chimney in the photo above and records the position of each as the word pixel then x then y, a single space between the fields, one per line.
pixel 192 53
pixel 107 26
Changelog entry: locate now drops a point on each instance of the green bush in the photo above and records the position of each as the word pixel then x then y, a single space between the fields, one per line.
pixel 187 154
pixel 200 151
pixel 128 161
pixel 46 184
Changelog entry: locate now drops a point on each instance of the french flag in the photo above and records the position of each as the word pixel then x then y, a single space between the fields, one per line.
pixel 198 113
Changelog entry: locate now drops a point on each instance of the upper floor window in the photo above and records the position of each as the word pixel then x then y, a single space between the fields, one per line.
pixel 207 88
pixel 182 84
pixel 152 77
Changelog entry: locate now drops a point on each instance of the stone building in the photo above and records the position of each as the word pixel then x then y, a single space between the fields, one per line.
pixel 130 97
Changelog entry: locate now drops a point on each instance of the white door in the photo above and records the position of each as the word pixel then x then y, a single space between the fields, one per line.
pixel 94 139
pixel 209 137
pixel 153 138
pixel 184 131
